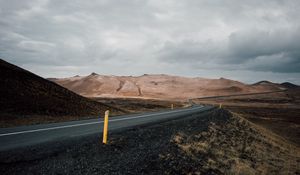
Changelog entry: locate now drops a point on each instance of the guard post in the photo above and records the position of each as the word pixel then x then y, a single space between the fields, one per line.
pixel 105 127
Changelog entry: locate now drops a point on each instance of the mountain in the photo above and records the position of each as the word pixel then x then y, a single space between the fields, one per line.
pixel 24 93
pixel 289 85
pixel 158 86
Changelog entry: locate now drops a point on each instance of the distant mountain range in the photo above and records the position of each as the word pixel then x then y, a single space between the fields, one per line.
pixel 161 86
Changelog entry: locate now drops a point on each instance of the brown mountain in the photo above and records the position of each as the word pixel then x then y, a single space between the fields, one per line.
pixel 158 86
pixel 26 94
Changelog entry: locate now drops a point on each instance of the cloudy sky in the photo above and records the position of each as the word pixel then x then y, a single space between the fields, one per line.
pixel 242 40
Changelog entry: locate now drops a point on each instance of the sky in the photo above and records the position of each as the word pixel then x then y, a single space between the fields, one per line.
pixel 247 41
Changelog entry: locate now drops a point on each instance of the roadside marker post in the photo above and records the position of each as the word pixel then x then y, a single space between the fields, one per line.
pixel 220 105
pixel 172 106
pixel 105 127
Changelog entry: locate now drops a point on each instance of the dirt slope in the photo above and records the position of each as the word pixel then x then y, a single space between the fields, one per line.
pixel 159 86
pixel 26 94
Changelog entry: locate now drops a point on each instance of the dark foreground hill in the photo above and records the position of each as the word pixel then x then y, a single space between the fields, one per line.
pixel 25 95
pixel 217 142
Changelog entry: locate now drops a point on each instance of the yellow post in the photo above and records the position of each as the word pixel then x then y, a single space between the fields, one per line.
pixel 172 106
pixel 220 105
pixel 105 127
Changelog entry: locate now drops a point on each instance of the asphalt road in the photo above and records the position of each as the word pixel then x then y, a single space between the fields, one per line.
pixel 12 138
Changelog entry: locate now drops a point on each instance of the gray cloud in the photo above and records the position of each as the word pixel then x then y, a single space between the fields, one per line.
pixel 191 38
pixel 257 50
pixel 254 43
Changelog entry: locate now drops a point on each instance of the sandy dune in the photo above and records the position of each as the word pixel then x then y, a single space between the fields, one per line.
pixel 159 86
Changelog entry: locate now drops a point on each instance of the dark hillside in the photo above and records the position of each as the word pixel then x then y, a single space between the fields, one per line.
pixel 289 85
pixel 24 94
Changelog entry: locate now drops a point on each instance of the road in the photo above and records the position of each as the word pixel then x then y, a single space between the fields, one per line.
pixel 12 138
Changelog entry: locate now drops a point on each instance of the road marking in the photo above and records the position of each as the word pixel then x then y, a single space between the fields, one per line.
pixel 90 123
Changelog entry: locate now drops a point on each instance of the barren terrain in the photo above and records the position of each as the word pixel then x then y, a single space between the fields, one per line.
pixel 135 105
pixel 278 112
pixel 216 142
pixel 159 86
pixel 252 134
pixel 29 99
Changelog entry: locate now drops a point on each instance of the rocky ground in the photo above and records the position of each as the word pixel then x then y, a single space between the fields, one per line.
pixel 136 105
pixel 216 142
pixel 278 112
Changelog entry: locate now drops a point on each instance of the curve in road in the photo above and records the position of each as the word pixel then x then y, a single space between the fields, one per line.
pixel 11 138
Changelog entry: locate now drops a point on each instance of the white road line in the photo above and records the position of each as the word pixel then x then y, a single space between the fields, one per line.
pixel 90 123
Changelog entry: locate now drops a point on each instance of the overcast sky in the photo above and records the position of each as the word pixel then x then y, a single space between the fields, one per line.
pixel 242 40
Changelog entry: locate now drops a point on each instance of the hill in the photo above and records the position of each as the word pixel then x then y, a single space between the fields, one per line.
pixel 159 86
pixel 24 95
pixel 289 85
